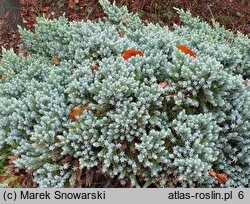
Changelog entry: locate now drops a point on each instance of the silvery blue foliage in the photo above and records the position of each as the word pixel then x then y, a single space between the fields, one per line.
pixel 131 127
pixel 3 186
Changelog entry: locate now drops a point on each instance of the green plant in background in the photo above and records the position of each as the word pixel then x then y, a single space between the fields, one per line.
pixel 60 3
pixel 7 178
pixel 5 152
pixel 138 102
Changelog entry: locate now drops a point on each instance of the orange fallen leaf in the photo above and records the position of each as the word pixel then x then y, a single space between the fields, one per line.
pixel 186 50
pixel 71 4
pixel 221 178
pixel 94 69
pixel 75 112
pixel 131 53
pixel 163 84
pixel 212 173
pixel 247 83
pixel 73 15
pixel 2 178
pixel 2 78
pixel 56 60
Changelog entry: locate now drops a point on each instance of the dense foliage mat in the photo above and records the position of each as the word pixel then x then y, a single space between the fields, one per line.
pixel 143 103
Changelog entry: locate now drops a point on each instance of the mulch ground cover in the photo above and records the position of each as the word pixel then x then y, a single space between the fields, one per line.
pixel 233 14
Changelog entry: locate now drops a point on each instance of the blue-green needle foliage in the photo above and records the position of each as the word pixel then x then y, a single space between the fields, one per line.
pixel 131 125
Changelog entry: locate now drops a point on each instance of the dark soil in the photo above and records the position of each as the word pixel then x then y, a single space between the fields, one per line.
pixel 233 14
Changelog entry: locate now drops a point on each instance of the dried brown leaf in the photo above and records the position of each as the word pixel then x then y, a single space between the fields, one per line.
pixel 163 84
pixel 2 178
pixel 89 178
pixel 71 4
pixel 75 112
pixel 94 69
pixel 123 147
pixel 221 178
pixel 247 83
pixel 56 60
pixel 2 42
